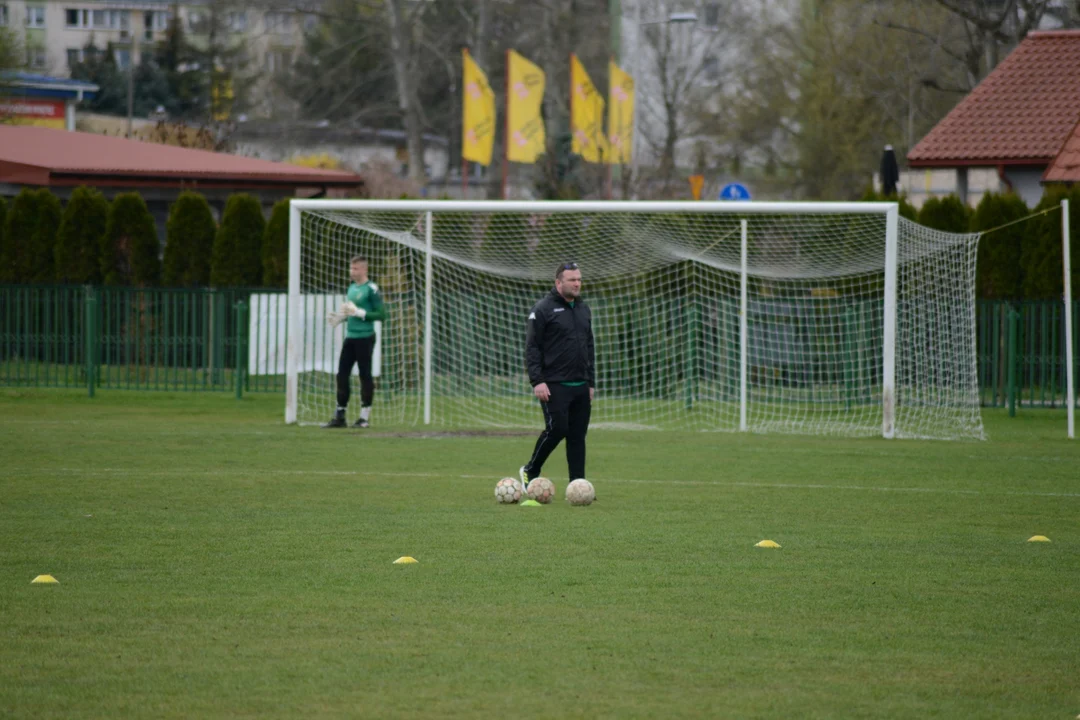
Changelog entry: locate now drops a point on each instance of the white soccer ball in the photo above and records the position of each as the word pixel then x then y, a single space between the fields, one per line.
pixel 580 492
pixel 541 490
pixel 508 490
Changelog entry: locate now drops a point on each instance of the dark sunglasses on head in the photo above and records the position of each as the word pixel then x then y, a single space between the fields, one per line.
pixel 570 266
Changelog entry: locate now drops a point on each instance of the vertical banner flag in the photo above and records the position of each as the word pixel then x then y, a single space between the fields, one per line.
pixel 620 114
pixel 524 124
pixel 587 116
pixel 478 122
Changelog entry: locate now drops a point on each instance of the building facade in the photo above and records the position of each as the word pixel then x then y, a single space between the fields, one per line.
pixel 57 33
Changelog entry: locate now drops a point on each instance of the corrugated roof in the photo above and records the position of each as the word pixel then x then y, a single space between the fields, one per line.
pixel 1021 112
pixel 41 156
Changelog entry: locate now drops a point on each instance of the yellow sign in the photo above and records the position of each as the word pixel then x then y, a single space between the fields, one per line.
pixel 478 110
pixel 696 183
pixel 620 114
pixel 221 97
pixel 524 124
pixel 587 116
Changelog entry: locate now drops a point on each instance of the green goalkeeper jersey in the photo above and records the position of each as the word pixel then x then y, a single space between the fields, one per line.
pixel 366 297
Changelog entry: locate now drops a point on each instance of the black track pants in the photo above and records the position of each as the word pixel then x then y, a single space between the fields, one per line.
pixel 356 351
pixel 566 415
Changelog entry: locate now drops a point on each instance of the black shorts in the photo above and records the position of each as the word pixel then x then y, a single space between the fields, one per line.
pixel 356 351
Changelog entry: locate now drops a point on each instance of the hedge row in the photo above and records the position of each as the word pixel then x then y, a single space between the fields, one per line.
pixel 1017 260
pixel 94 241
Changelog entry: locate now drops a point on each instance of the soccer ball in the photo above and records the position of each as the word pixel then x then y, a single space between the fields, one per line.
pixel 580 492
pixel 541 490
pixel 508 490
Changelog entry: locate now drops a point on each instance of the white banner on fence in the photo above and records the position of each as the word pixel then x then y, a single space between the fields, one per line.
pixel 321 344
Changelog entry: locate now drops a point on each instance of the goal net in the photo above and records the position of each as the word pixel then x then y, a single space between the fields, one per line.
pixel 815 318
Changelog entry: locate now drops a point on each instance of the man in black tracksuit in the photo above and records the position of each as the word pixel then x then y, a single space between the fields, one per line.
pixel 561 360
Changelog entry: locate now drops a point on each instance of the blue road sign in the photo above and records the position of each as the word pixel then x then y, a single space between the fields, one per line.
pixel 734 191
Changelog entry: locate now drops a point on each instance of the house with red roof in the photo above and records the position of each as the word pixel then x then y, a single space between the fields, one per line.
pixel 61 161
pixel 1018 129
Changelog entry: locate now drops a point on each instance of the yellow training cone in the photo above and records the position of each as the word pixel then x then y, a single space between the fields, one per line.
pixel 767 544
pixel 406 560
pixel 1038 538
pixel 44 580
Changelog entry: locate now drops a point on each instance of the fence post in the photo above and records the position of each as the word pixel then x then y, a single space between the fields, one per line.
pixel 219 307
pixel 90 330
pixel 241 346
pixel 1010 360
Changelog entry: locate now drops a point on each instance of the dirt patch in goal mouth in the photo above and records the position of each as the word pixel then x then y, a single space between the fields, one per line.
pixel 451 434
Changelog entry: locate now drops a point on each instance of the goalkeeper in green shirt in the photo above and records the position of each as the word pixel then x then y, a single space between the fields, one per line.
pixel 363 307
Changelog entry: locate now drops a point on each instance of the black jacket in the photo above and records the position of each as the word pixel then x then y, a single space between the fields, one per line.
pixel 559 342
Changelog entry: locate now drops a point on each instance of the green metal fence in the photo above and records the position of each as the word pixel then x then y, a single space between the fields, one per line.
pixel 1021 351
pixel 128 338
pixel 152 339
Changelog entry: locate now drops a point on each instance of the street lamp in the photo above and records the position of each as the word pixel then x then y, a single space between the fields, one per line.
pixel 672 18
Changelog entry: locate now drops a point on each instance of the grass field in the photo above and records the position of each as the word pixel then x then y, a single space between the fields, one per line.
pixel 216 563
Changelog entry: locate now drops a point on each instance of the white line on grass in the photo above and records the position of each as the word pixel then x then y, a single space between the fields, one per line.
pixel 382 473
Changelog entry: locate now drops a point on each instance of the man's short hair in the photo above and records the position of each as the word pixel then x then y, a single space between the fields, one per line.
pixel 563 267
pixel 357 258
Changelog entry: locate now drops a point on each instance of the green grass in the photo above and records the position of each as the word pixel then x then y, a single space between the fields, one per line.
pixel 214 562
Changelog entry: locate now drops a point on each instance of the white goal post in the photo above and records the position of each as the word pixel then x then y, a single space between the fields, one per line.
pixel 816 318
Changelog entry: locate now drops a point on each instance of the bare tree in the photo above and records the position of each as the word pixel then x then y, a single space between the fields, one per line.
pixel 680 65
pixel 820 92
pixel 971 34
pixel 401 55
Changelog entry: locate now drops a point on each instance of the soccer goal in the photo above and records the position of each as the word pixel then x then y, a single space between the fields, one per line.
pixel 836 319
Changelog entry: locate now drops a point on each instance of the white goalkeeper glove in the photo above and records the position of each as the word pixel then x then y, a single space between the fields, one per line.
pixel 335 319
pixel 350 310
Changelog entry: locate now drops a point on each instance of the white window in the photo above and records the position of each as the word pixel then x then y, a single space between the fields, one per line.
pixel 155 21
pixel 237 21
pixel 311 21
pixel 3 15
pixel 74 18
pixel 36 58
pixel 74 56
pixel 35 18
pixel 710 68
pixel 122 57
pixel 278 60
pixel 110 19
pixel 711 11
pixel 279 22
pixel 198 22
pixel 158 19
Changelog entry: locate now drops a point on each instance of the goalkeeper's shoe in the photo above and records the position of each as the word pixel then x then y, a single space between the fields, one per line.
pixel 524 477
pixel 335 422
pixel 361 423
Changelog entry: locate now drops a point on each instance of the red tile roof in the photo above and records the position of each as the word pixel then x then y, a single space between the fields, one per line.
pixel 44 156
pixel 1021 112
pixel 1066 166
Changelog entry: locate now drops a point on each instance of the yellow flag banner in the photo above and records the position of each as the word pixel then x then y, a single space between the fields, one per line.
pixel 478 122
pixel 524 124
pixel 587 116
pixel 620 114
